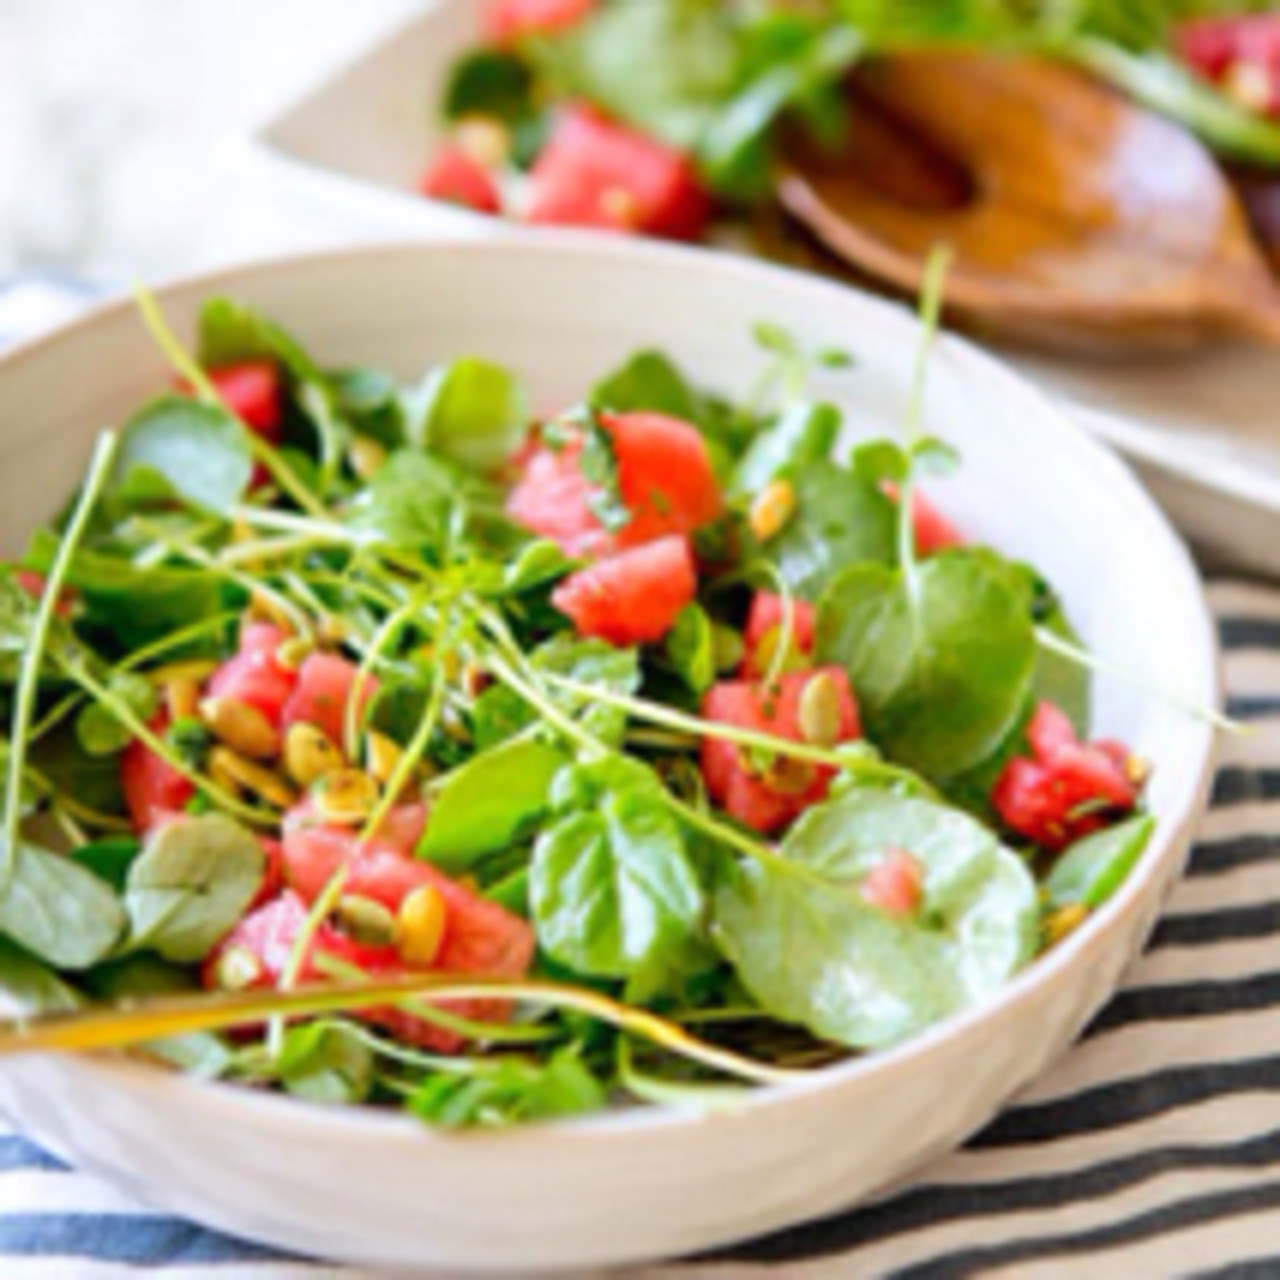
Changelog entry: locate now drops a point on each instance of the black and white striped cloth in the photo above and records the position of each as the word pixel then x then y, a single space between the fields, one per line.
pixel 1152 1150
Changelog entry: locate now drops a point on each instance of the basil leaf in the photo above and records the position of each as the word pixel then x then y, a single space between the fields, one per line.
pixel 1092 869
pixel 812 951
pixel 472 412
pixel 190 885
pixel 487 803
pixel 178 447
pixel 612 888
pixel 942 671
pixel 58 911
pixel 839 520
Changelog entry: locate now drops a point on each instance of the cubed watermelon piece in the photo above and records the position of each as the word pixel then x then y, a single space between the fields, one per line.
pixel 632 597
pixel 593 172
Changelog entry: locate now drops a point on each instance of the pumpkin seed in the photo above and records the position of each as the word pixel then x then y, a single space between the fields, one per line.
pixel 819 710
pixel 241 727
pixel 420 926
pixel 772 509
pixel 364 921
pixel 309 755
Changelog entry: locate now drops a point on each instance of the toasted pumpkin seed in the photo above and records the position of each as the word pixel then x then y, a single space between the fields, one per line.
pixel 382 755
pixel 250 776
pixel 196 669
pixel 346 796
pixel 420 925
pixel 237 968
pixel 484 140
pixel 364 921
pixel 1064 921
pixel 772 509
pixel 309 754
pixel 366 457
pixel 242 727
pixel 294 652
pixel 182 697
pixel 819 710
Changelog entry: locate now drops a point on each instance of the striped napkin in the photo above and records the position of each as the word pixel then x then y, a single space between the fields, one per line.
pixel 1152 1150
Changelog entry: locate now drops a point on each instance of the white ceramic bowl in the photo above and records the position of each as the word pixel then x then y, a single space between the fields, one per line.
pixel 380 1188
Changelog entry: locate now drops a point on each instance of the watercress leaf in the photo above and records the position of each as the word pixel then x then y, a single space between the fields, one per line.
pixel 499 713
pixel 802 435
pixel 411 503
pixel 538 563
pixel 612 888
pixel 510 1091
pixel 490 83
pixel 673 92
pixel 140 977
pixel 489 802
pixel 932 456
pixel 1092 869
pixel 853 973
pixel 109 859
pixel 1068 685
pixel 58 911
pixel 325 1062
pixel 179 447
pixel 689 649
pixel 649 380
pixel 369 400
pixel 60 760
pixel 137 606
pixel 99 732
pixel 471 411
pixel 840 520
pixel 190 885
pixel 943 669
pixel 32 987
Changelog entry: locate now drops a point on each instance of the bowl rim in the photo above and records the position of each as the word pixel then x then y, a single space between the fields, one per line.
pixel 1084 946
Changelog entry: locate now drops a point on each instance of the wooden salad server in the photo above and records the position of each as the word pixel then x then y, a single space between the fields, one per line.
pixel 1075 217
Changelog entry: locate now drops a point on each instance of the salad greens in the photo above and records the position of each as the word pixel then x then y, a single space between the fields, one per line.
pixel 718 78
pixel 507 770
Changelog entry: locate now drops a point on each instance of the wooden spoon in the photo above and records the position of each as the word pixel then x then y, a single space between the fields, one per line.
pixel 1074 215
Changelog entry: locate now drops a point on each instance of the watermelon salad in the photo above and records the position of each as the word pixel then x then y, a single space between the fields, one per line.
pixel 638 749
pixel 658 117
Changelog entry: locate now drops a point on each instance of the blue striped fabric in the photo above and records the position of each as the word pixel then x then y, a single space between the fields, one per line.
pixel 1153 1149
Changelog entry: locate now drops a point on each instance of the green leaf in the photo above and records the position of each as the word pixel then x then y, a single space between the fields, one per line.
pixel 510 1091
pixel 499 713
pixel 839 520
pixel 325 1062
pixel 412 502
pixel 369 400
pixel 140 977
pixel 813 951
pixel 1092 869
pixel 489 83
pixel 109 859
pixel 804 434
pixel 179 447
pixel 613 891
pixel 489 802
pixel 943 670
pixel 32 986
pixel 471 411
pixel 191 884
pixel 100 733
pixel 689 649
pixel 137 605
pixel 651 381
pixel 58 911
